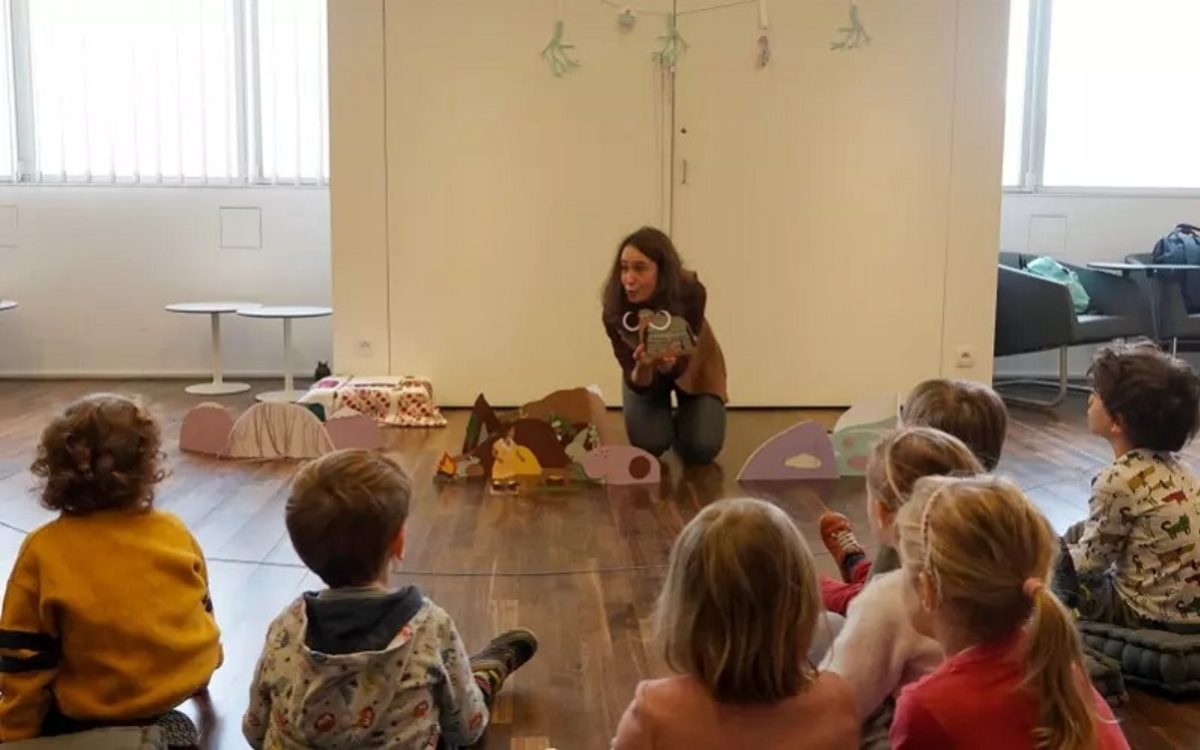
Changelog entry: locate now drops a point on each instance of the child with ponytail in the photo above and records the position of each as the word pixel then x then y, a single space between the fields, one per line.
pixel 976 554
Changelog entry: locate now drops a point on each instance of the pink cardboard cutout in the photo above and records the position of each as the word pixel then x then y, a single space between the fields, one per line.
pixel 354 431
pixel 622 464
pixel 274 430
pixel 801 452
pixel 206 430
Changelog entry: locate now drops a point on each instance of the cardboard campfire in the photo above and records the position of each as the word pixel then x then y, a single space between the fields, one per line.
pixel 558 443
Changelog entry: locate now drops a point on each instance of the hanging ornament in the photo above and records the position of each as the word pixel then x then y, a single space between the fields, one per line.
pixel 673 45
pixel 764 41
pixel 627 20
pixel 557 54
pixel 855 35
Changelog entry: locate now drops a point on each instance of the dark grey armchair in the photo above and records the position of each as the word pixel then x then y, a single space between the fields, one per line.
pixel 1035 314
pixel 1164 292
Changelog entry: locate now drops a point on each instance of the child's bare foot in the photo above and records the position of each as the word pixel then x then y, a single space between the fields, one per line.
pixel 838 537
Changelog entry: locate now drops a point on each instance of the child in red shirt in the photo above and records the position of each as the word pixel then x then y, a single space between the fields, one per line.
pixel 979 553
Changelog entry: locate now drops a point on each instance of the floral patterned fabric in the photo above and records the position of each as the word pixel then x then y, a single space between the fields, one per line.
pixel 417 691
pixel 396 401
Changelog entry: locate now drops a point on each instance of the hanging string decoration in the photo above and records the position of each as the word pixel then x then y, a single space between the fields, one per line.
pixel 673 45
pixel 764 41
pixel 557 53
pixel 854 36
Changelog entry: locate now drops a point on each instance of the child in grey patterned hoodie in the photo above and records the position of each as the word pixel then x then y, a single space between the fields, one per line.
pixel 361 665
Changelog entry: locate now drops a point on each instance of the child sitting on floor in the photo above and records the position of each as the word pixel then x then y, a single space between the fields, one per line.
pixel 896 463
pixel 737 618
pixel 976 553
pixel 107 618
pixel 361 663
pixel 878 650
pixel 1135 561
pixel 971 412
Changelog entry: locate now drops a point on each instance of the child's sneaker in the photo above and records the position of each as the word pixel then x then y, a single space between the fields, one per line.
pixel 838 537
pixel 506 653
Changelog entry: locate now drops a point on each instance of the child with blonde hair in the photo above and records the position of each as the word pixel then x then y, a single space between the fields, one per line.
pixel 737 620
pixel 878 650
pixel 896 463
pixel 977 554
pixel 107 618
pixel 972 412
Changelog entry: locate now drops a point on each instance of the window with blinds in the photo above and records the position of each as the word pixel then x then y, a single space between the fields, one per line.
pixel 165 92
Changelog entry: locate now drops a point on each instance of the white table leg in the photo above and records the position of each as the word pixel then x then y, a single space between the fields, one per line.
pixel 288 394
pixel 218 386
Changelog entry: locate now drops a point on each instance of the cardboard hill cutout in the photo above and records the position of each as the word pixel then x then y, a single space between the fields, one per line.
pixel 860 429
pixel 801 452
pixel 546 445
pixel 805 452
pixel 271 430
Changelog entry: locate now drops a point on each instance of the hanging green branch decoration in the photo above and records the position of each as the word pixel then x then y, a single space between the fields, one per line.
pixel 855 35
pixel 557 54
pixel 673 45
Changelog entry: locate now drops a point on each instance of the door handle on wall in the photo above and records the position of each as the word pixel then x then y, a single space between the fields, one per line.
pixel 683 172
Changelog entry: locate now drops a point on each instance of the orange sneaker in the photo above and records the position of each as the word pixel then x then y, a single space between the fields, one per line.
pixel 838 537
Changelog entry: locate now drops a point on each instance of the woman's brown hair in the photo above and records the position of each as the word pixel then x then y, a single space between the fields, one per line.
pixel 972 412
pixel 986 553
pixel 673 278
pixel 909 454
pixel 103 452
pixel 740 603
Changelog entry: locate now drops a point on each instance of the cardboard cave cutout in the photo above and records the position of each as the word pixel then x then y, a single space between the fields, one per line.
pixel 805 452
pixel 559 442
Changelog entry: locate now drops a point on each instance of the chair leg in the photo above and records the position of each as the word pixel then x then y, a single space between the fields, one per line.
pixel 1174 346
pixel 1062 387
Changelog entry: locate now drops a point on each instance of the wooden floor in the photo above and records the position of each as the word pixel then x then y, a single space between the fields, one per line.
pixel 580 570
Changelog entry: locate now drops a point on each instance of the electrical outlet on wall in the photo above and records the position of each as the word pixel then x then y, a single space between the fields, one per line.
pixel 965 358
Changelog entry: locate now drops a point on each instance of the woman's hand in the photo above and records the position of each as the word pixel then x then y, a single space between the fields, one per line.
pixel 643 367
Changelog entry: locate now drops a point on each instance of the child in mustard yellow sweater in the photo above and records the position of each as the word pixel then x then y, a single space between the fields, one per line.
pixel 107 617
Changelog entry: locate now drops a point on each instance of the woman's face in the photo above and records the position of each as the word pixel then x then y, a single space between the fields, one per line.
pixel 639 275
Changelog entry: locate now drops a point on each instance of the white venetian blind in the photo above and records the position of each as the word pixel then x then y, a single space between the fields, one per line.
pixel 171 91
pixel 293 90
pixel 133 90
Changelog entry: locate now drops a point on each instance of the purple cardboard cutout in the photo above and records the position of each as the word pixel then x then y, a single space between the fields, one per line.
pixel 801 452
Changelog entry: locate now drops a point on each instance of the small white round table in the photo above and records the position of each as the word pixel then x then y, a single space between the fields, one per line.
pixel 287 314
pixel 218 386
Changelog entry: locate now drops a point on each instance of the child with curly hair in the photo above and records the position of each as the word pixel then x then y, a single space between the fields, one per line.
pixel 107 618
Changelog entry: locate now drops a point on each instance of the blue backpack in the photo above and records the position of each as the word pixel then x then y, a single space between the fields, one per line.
pixel 1182 246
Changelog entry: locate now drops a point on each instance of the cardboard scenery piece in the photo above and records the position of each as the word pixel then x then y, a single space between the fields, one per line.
pixel 860 429
pixel 545 445
pixel 804 452
pixel 271 430
pixel 622 465
pixel 801 452
pixel 664 335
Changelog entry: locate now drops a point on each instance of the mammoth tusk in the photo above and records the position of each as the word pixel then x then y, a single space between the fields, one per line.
pixel 664 326
pixel 625 323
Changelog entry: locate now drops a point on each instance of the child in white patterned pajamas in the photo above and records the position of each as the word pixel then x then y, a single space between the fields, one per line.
pixel 1135 561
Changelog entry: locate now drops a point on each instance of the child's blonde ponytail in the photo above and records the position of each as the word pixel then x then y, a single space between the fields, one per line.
pixel 1068 716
